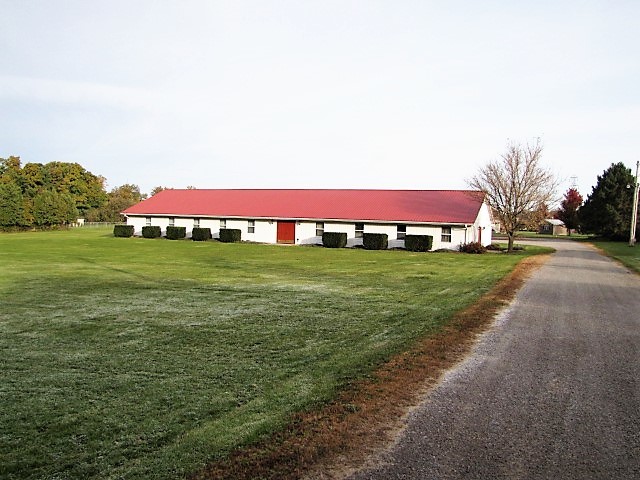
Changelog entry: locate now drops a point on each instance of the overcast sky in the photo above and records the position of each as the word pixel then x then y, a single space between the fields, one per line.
pixel 318 94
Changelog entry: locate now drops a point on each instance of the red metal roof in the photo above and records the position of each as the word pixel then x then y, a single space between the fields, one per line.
pixel 428 206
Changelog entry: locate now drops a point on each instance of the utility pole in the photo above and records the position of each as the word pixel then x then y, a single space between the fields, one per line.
pixel 634 211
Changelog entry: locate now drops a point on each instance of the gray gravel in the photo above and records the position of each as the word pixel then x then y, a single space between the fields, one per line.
pixel 551 391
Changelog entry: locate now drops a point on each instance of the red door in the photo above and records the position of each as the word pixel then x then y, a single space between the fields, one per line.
pixel 286 232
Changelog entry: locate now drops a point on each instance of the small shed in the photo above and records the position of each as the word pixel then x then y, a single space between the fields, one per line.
pixel 552 226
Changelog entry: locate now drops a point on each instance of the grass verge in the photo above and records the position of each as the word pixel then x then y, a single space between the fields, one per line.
pixel 621 251
pixel 136 358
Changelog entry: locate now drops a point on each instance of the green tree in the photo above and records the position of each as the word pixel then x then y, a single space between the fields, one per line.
pixel 53 208
pixel 86 188
pixel 119 199
pixel 10 170
pixel 157 189
pixel 68 180
pixel 33 179
pixel 607 210
pixel 11 205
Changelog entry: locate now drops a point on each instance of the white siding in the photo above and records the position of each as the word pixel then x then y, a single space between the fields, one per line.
pixel 306 233
pixel 138 223
pixel 266 230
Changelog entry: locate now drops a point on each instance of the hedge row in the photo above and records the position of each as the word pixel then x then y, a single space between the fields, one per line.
pixel 176 233
pixel 151 231
pixel 199 234
pixel 230 235
pixel 123 231
pixel 370 241
pixel 375 241
pixel 418 243
pixel 334 239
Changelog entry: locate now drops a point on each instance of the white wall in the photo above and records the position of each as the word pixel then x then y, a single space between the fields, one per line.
pixel 266 230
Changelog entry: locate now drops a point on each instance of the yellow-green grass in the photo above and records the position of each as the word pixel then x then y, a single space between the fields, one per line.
pixel 629 256
pixel 135 358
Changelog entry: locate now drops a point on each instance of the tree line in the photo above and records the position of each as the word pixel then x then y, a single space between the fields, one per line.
pixel 519 189
pixel 58 193
pixel 606 212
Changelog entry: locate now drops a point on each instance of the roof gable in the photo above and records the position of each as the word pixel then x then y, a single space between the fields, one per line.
pixel 433 206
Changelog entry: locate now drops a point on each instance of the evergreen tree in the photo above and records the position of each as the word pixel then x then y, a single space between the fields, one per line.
pixel 607 210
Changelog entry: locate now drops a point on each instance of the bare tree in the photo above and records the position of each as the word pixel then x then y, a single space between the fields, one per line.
pixel 515 184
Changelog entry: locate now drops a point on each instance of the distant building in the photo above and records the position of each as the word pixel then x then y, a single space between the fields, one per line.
pixel 451 217
pixel 553 226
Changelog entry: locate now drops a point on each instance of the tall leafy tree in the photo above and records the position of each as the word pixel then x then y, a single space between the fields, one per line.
pixel 52 208
pixel 119 199
pixel 11 205
pixel 157 189
pixel 86 188
pixel 515 184
pixel 36 182
pixel 10 170
pixel 533 219
pixel 568 212
pixel 607 210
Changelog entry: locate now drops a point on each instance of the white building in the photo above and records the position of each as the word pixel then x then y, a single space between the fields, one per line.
pixel 451 217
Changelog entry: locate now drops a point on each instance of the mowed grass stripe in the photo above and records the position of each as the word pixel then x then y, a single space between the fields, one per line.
pixel 135 358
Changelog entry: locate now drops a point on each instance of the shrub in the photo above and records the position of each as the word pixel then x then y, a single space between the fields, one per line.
pixel 334 239
pixel 176 233
pixel 418 243
pixel 199 234
pixel 375 241
pixel 151 231
pixel 496 247
pixel 230 235
pixel 473 247
pixel 123 231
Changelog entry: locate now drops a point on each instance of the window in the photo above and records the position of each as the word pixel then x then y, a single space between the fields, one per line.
pixel 223 224
pixel 148 221
pixel 401 232
pixel 359 230
pixel 196 223
pixel 172 221
pixel 319 229
pixel 446 235
pixel 251 228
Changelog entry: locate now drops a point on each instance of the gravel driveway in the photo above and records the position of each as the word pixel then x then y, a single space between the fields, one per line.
pixel 552 391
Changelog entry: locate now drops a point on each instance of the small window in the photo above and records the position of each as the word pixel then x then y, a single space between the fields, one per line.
pixel 359 230
pixel 251 228
pixel 223 224
pixel 319 229
pixel 148 221
pixel 172 221
pixel 401 232
pixel 196 223
pixel 446 235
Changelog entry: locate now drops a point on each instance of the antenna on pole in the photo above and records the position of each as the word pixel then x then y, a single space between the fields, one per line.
pixel 574 182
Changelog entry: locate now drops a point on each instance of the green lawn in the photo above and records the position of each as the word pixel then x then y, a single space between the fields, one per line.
pixel 629 256
pixel 139 359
